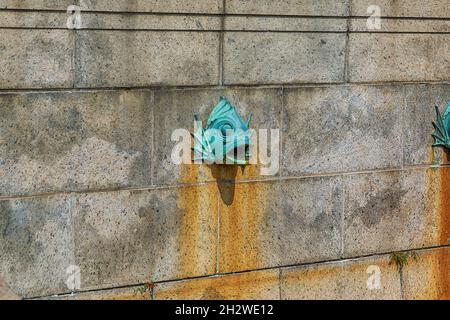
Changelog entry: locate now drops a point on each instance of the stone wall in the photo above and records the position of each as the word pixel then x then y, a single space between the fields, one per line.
pixel 86 180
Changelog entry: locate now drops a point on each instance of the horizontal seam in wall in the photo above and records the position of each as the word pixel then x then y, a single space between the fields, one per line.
pixel 275 268
pixel 209 182
pixel 230 30
pixel 218 14
pixel 7 91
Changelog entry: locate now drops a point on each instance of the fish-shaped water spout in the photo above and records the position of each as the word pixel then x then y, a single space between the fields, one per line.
pixel 225 138
pixel 441 134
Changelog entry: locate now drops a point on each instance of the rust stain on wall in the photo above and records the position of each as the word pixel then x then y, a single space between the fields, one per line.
pixel 444 274
pixel 431 155
pixel 242 210
pixel 444 206
pixel 136 296
pixel 438 198
pixel 439 193
pixel 443 259
pixel 119 294
pixel 198 220
pixel 239 172
pixel 241 222
pixel 188 202
pixel 427 276
pixel 432 198
pixel 314 282
pixel 250 285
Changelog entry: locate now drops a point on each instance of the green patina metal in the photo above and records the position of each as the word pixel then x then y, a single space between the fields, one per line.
pixel 441 134
pixel 224 135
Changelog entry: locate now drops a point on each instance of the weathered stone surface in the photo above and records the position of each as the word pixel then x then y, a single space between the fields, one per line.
pixel 329 129
pixel 411 25
pixel 168 6
pixel 128 237
pixel 398 57
pixel 252 23
pixel 254 58
pixel 427 275
pixel 440 95
pixel 145 21
pixel 27 19
pixel 115 238
pixel 116 21
pixel 140 58
pixel 36 59
pixel 128 293
pixel 6 293
pixel 174 109
pixel 257 285
pixel 321 281
pixel 392 211
pixel 74 141
pixel 360 279
pixel 348 279
pixel 85 141
pixel 117 132
pixel 418 115
pixel 36 244
pixel 273 224
pixel 410 8
pixel 288 7
pixel 37 4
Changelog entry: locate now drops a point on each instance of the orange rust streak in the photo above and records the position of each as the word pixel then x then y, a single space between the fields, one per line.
pixel 129 297
pixel 188 202
pixel 241 233
pixel 111 296
pixel 240 225
pixel 247 172
pixel 198 214
pixel 431 157
pixel 444 206
pixel 444 274
pixel 242 208
pixel 252 285
pixel 445 156
pixel 443 260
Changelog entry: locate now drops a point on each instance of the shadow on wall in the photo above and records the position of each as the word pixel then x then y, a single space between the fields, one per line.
pixel 225 176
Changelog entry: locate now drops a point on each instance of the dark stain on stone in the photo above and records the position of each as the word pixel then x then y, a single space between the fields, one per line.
pixel 123 119
pixel 19 245
pixel 225 176
pixel 380 205
pixel 144 212
pixel 226 190
pixel 43 136
pixel 123 257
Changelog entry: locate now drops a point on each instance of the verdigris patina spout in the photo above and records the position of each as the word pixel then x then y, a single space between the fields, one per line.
pixel 226 137
pixel 441 134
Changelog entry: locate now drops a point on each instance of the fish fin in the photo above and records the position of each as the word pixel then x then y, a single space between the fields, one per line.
pixel 440 135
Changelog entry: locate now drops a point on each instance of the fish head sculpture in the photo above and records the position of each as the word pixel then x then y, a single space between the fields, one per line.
pixel 226 137
pixel 441 135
